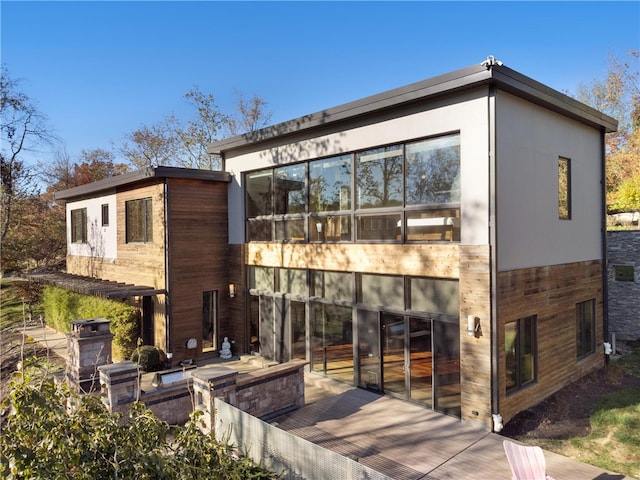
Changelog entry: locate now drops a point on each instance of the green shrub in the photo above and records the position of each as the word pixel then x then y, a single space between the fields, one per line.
pixel 61 307
pixel 149 358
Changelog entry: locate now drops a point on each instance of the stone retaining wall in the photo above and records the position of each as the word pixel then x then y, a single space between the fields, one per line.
pixel 264 393
pixel 624 294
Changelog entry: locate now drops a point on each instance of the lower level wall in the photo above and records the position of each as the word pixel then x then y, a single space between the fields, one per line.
pixel 551 294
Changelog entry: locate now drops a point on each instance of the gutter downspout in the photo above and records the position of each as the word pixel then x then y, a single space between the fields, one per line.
pixel 605 249
pixel 167 297
pixel 493 241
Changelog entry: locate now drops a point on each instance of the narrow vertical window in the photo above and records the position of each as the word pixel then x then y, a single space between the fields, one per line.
pixel 105 215
pixel 564 188
pixel 585 328
pixel 209 320
pixel 520 352
pixel 79 225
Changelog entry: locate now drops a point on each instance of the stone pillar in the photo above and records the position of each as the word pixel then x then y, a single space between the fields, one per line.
pixel 89 346
pixel 210 383
pixel 121 384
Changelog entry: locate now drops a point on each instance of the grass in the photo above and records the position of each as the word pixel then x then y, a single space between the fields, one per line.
pixel 614 440
pixel 12 308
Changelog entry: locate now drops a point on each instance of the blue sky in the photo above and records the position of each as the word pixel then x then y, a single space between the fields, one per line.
pixel 99 70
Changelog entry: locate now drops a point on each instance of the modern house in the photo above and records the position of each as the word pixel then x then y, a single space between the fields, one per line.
pixel 442 242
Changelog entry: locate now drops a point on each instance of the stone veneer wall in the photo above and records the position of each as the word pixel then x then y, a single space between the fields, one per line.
pixel 624 297
pixel 264 393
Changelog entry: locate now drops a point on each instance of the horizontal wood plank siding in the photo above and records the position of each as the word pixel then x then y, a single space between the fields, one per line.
pixel 551 293
pixel 400 259
pixel 197 259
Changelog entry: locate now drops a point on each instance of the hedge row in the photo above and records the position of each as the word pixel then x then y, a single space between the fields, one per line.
pixel 61 307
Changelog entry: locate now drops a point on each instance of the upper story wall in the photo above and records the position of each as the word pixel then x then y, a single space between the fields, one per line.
pixel 466 113
pixel 101 239
pixel 529 141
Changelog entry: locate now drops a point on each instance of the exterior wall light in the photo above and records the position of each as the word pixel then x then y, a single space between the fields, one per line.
pixel 473 326
pixel 232 290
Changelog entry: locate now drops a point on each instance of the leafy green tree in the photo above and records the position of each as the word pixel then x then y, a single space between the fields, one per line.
pixel 49 432
pixel 618 95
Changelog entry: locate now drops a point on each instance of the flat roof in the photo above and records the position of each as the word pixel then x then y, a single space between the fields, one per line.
pixel 464 79
pixel 130 178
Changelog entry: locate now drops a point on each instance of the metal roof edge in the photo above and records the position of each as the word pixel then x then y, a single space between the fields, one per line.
pixel 129 178
pixel 465 78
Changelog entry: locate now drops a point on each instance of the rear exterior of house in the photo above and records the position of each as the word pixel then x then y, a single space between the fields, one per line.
pixel 159 238
pixel 442 242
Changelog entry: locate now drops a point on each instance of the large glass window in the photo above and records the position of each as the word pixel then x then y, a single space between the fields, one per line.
pixel 292 281
pixel 79 225
pixel 385 290
pixel 139 225
pixel 379 177
pixel 332 285
pixel 330 184
pixel 521 352
pixel 259 190
pixel 261 278
pixel 290 189
pixel 399 193
pixel 434 295
pixel 585 328
pixel 433 171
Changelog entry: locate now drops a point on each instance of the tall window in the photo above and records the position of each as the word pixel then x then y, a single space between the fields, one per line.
pixel 521 352
pixel 564 188
pixel 79 225
pixel 585 328
pixel 105 214
pixel 209 319
pixel 139 220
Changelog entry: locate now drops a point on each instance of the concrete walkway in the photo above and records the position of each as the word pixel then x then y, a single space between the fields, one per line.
pixel 400 439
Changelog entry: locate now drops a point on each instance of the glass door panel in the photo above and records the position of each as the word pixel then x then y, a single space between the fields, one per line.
pixel 420 360
pixel 393 354
pixel 267 332
pixel 332 341
pixel 298 330
pixel 446 367
pixel 369 373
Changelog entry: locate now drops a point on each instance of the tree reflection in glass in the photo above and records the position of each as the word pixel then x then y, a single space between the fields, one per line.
pixel 330 184
pixel 379 177
pixel 433 171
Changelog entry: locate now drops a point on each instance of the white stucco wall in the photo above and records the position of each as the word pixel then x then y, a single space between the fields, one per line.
pixel 101 241
pixel 466 113
pixel 529 141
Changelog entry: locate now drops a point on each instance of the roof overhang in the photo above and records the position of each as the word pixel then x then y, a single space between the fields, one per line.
pixel 94 286
pixel 140 176
pixel 464 79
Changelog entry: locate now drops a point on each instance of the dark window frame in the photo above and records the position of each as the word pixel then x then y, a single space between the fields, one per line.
pixel 564 188
pixel 526 335
pixel 585 328
pixel 104 214
pixel 139 220
pixel 79 225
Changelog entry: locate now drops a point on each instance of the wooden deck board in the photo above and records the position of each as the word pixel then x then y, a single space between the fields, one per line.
pixel 406 441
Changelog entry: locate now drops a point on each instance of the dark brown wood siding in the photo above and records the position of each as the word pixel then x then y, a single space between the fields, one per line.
pixel 197 259
pixel 551 293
